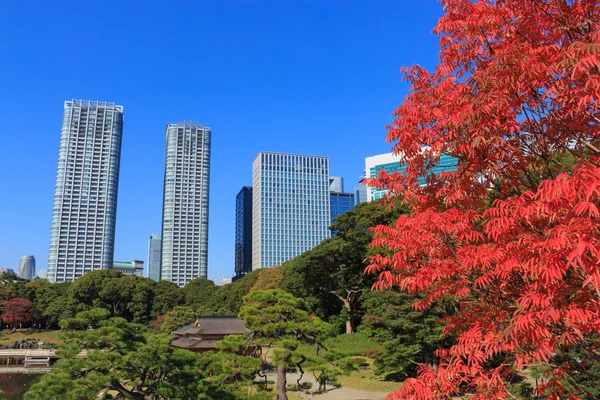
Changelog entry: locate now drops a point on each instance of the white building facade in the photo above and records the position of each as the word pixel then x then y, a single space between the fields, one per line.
pixel 85 197
pixel 184 247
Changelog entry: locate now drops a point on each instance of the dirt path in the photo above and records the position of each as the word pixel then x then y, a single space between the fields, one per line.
pixel 342 393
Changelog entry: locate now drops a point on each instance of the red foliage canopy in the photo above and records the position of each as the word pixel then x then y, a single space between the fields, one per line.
pixel 516 90
pixel 18 310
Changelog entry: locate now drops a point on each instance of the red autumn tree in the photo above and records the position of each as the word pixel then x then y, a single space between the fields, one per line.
pixel 516 93
pixel 18 311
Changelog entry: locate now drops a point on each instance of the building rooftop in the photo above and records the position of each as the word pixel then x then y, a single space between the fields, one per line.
pixel 209 325
pixel 123 264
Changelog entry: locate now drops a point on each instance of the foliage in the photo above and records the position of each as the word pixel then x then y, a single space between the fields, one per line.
pixel 408 337
pixel 177 318
pixel 517 87
pixel 281 323
pixel 330 276
pixel 268 278
pixel 122 357
pixel 198 292
pixel 232 371
pixel 18 311
pixel 228 299
pixel 167 296
pixel 126 296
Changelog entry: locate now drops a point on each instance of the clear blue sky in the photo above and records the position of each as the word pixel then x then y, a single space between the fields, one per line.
pixel 298 76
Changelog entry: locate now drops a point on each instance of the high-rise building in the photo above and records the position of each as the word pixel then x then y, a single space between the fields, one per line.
pixel 26 268
pixel 336 184
pixel 43 274
pixel 360 192
pixel 340 203
pixel 290 206
pixel 243 232
pixel 154 257
pixel 184 244
pixel 133 267
pixel 85 197
pixel 391 163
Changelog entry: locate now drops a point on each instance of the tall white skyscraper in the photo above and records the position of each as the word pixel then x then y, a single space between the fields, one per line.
pixel 185 203
pixel 85 197
pixel 154 257
pixel 290 206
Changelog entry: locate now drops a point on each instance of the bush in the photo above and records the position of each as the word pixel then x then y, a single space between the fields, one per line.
pixel 355 344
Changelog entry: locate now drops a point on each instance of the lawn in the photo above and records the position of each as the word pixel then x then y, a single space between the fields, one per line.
pixel 7 339
pixel 367 380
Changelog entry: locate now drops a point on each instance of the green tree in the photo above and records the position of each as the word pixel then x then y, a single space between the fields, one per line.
pixel 126 296
pixel 167 296
pixel 122 358
pixel 228 299
pixel 178 318
pixel 409 337
pixel 198 292
pixel 334 270
pixel 232 370
pixel 280 321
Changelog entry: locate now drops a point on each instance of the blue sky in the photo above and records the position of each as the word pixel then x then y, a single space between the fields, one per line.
pixel 313 77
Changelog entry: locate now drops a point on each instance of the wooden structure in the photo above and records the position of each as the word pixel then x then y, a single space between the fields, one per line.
pixel 205 332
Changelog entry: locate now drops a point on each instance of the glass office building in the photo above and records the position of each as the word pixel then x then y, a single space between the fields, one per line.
pixel 391 163
pixel 184 244
pixel 154 257
pixel 340 203
pixel 360 192
pixel 290 206
pixel 26 268
pixel 85 197
pixel 243 232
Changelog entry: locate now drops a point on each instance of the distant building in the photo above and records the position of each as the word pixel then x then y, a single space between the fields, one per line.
pixel 340 203
pixel 134 267
pixel 185 206
pixel 154 257
pixel 82 237
pixel 7 270
pixel 336 184
pixel 391 163
pixel 290 206
pixel 206 332
pixel 43 274
pixel 224 281
pixel 26 268
pixel 243 232
pixel 360 192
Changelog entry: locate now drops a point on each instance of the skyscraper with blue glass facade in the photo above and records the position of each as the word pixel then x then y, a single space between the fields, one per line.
pixel 82 237
pixel 243 232
pixel 339 201
pixel 290 206
pixel 391 163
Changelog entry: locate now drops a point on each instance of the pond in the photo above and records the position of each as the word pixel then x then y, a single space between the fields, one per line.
pixel 14 385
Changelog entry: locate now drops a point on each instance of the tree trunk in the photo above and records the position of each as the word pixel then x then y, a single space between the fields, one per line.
pixel 281 383
pixel 347 306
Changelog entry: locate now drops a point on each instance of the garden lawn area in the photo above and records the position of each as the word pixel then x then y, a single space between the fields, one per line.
pixel 7 339
pixel 367 381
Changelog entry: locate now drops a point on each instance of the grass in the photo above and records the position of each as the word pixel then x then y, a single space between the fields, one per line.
pixel 351 345
pixel 8 339
pixel 367 381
